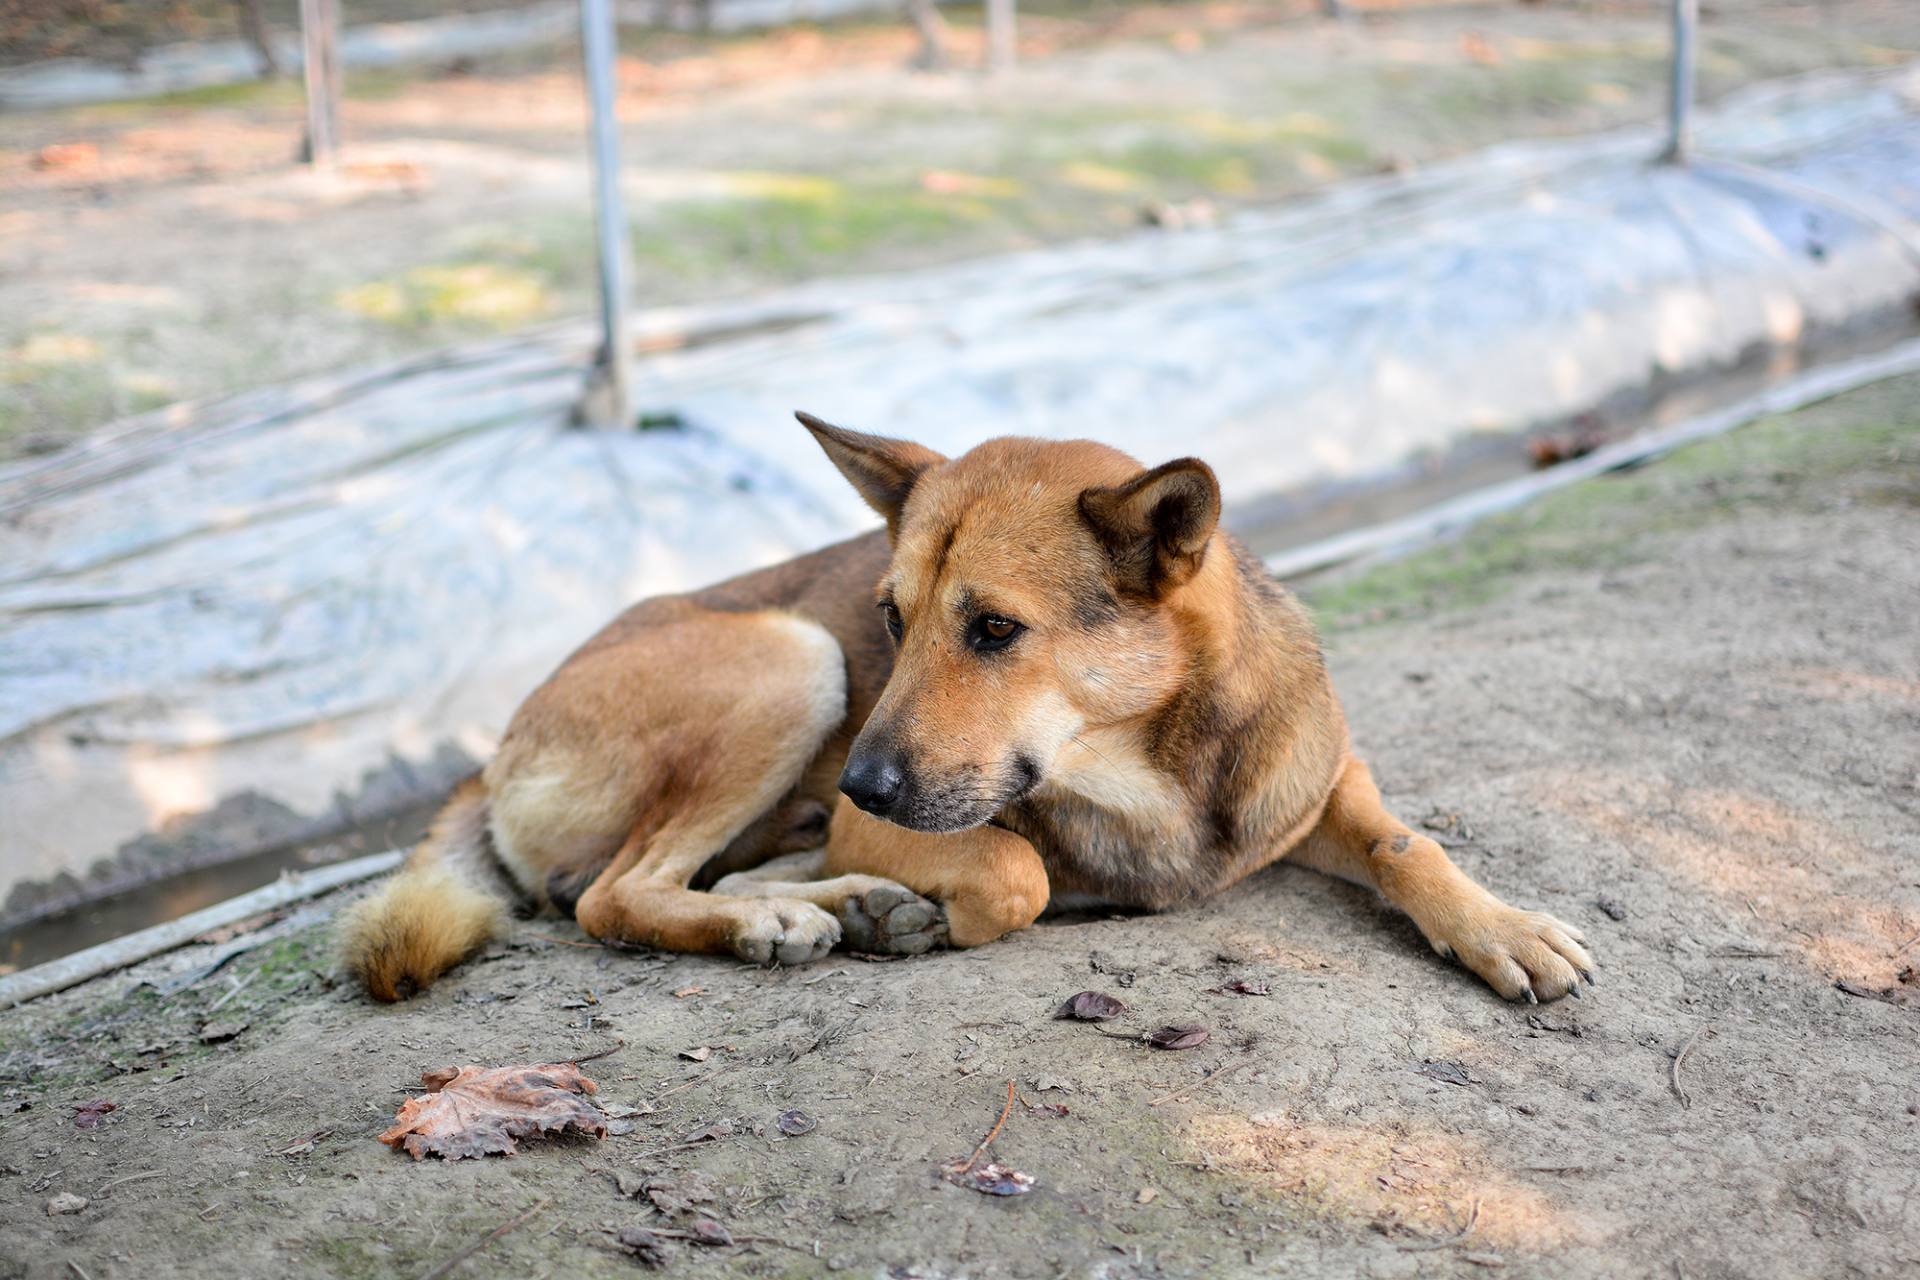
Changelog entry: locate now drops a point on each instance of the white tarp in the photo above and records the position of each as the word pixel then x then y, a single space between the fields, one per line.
pixel 281 592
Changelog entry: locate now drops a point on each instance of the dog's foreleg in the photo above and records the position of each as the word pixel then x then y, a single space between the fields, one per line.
pixel 987 881
pixel 875 914
pixel 1522 954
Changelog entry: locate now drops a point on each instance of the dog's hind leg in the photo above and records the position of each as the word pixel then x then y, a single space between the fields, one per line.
pixel 875 914
pixel 684 766
pixel 1521 954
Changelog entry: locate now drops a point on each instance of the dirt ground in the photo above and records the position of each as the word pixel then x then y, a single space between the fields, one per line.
pixel 158 251
pixel 1679 707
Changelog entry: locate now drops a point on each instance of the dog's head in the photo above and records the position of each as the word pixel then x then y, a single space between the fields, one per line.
pixel 1028 599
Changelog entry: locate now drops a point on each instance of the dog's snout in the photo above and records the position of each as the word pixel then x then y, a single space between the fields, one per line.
pixel 873 781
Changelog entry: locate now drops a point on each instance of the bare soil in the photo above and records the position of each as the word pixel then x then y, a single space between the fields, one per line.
pixel 1679 707
pixel 158 251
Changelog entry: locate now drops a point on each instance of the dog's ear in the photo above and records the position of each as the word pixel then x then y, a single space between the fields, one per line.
pixel 1156 527
pixel 882 470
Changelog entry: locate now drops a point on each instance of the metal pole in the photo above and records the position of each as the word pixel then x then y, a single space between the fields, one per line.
pixel 1686 22
pixel 320 36
pixel 609 399
pixel 1001 36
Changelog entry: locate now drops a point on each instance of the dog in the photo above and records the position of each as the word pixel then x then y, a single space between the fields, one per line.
pixel 1052 679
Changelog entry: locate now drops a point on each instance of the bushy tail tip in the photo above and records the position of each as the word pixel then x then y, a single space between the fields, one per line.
pixel 417 926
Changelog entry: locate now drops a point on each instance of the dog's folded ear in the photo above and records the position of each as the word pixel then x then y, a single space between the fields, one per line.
pixel 1156 527
pixel 883 471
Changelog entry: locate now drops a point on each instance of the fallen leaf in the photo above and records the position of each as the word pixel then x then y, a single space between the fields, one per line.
pixel 65 1202
pixel 67 155
pixel 708 1232
pixel 305 1145
pixel 647 1247
pixel 684 992
pixel 1445 1072
pixel 990 1179
pixel 713 1132
pixel 1177 1037
pixel 88 1115
pixel 628 1184
pixel 1041 1084
pixel 1057 1110
pixel 219 1032
pixel 1090 1006
pixel 795 1123
pixel 1147 1196
pixel 476 1111
pixel 700 1054
pixel 1244 987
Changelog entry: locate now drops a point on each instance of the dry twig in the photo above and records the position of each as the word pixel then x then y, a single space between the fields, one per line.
pixel 1678 1059
pixel 1473 1216
pixel 991 1133
pixel 460 1257
pixel 1209 1078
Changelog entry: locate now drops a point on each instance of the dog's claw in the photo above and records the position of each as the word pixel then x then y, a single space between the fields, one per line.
pixel 1587 975
pixel 1574 991
pixel 1532 998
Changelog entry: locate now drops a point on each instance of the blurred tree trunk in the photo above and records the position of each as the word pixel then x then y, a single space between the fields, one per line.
pixel 253 22
pixel 933 34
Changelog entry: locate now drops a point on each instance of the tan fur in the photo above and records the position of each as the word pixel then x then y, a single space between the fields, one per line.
pixel 1095 693
pixel 429 917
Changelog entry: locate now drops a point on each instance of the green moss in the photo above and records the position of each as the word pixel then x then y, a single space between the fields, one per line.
pixel 1625 518
pixel 65 1043
pixel 793 232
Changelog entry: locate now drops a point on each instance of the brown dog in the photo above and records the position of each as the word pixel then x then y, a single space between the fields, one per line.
pixel 1075 688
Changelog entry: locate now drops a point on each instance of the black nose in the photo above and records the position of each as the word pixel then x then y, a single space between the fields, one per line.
pixel 873 782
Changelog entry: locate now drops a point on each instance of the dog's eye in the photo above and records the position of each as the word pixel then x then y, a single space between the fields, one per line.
pixel 990 633
pixel 895 627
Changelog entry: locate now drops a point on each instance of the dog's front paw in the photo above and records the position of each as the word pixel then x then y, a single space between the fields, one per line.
pixel 892 920
pixel 1524 955
pixel 781 929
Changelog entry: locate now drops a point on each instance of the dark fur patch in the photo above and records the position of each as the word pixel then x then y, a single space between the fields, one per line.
pixel 1095 607
pixel 1399 844
pixel 565 888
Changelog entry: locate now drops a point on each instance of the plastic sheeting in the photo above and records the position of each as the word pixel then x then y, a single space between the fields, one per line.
pixel 280 593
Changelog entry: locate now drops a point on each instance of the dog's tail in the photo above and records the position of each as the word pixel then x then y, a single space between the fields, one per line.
pixel 444 904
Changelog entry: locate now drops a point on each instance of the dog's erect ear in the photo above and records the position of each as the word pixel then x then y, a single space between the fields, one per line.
pixel 882 470
pixel 1156 527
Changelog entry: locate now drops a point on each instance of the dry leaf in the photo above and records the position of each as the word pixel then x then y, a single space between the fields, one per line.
pixel 795 1123
pixel 1445 1072
pixel 1147 1196
pixel 648 1248
pixel 990 1179
pixel 475 1111
pixel 1090 1006
pixel 1244 987
pixel 220 1032
pixel 684 992
pixel 89 1115
pixel 65 1202
pixel 708 1232
pixel 700 1054
pixel 1177 1037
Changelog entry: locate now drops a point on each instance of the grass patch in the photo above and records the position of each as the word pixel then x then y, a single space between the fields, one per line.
pixel 1782 463
pixel 790 233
